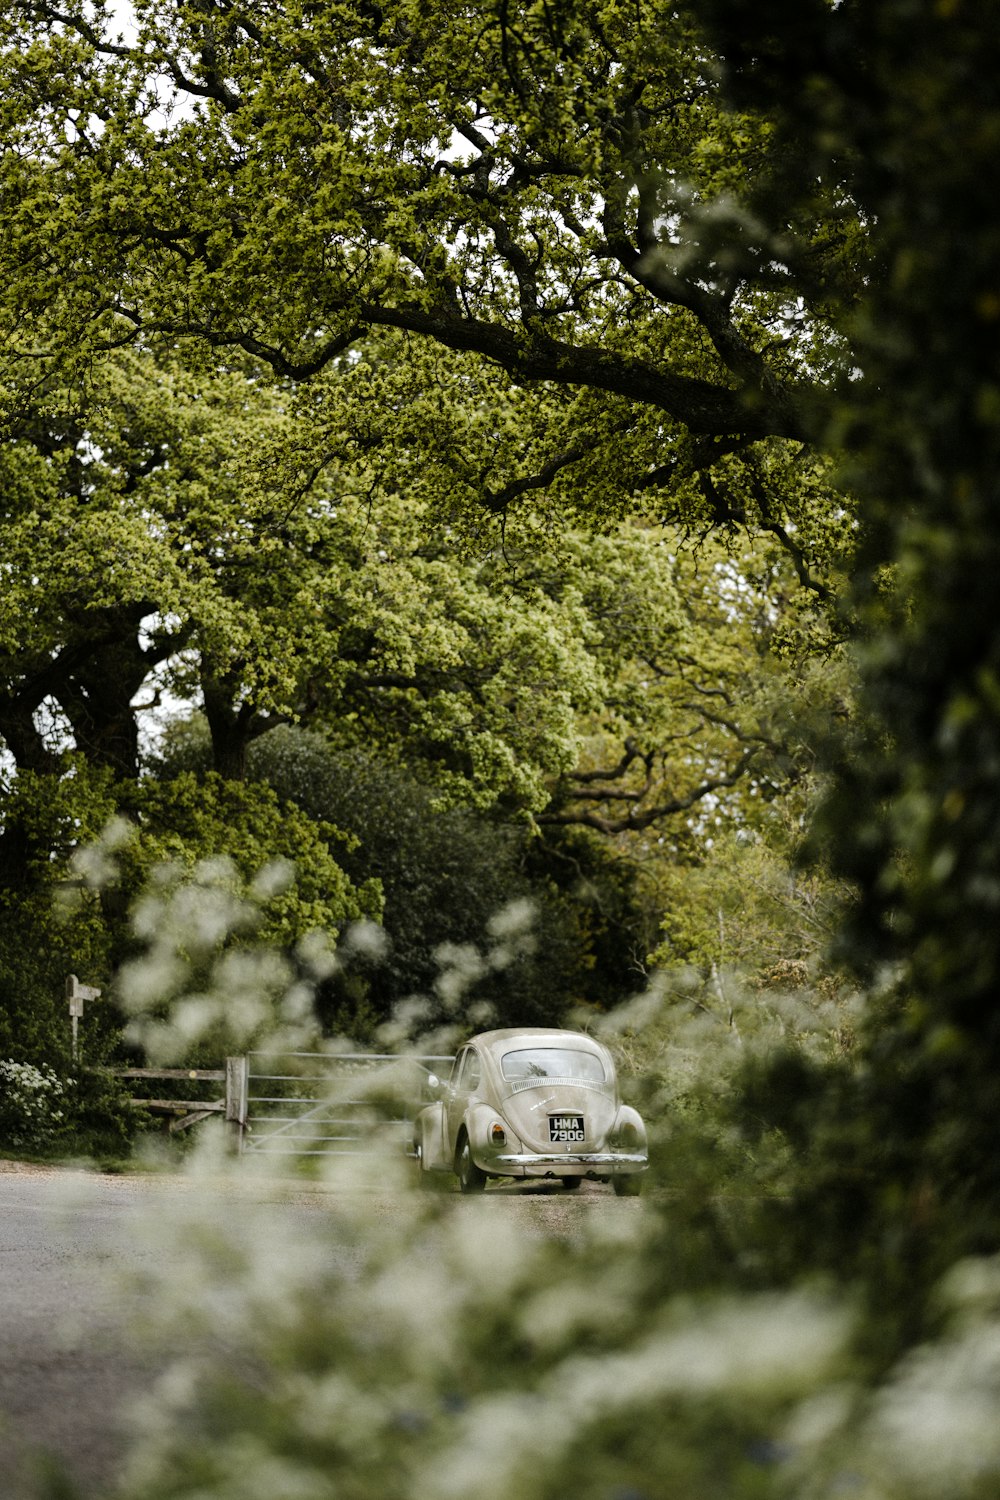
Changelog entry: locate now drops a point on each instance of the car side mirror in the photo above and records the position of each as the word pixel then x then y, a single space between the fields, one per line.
pixel 433 1086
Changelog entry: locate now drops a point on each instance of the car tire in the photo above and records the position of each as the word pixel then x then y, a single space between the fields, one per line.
pixel 427 1182
pixel 572 1183
pixel 471 1179
pixel 627 1187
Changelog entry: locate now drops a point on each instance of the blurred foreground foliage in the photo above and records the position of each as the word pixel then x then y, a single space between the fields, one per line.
pixel 414 1344
pixel 902 1173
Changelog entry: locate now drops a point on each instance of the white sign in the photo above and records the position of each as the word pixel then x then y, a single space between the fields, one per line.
pixel 77 993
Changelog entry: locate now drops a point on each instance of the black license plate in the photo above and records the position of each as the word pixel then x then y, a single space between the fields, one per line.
pixel 565 1128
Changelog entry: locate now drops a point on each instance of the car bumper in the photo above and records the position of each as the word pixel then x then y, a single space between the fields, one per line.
pixel 531 1163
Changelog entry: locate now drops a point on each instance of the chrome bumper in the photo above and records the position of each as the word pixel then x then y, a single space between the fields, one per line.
pixel 595 1160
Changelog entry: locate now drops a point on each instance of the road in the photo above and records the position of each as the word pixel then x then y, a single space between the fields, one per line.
pixel 65 1359
pixel 70 1360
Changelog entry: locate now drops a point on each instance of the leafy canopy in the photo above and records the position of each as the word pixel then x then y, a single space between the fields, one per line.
pixel 538 212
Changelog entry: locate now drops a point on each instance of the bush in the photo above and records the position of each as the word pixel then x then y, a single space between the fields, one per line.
pixel 445 873
pixel 102 1120
pixel 33 1111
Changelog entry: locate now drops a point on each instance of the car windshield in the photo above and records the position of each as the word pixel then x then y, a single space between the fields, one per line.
pixel 552 1062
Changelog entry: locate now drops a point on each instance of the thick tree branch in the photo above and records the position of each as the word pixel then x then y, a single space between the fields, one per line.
pixel 634 818
pixel 701 406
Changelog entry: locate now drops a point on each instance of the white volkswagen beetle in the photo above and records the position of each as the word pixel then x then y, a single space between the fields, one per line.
pixel 531 1103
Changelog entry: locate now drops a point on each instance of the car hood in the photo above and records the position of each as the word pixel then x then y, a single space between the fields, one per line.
pixel 528 1106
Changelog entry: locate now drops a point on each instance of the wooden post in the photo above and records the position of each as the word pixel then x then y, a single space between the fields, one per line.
pixel 76 994
pixel 237 1079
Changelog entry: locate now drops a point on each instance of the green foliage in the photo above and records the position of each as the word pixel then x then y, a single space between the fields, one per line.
pixel 511 253
pixel 203 856
pixel 82 1111
pixel 751 898
pixel 858 102
pixel 72 917
pixel 37 953
pixel 102 1123
pixel 204 981
pixel 175 529
pixel 444 874
pixel 32 1106
pixel 187 819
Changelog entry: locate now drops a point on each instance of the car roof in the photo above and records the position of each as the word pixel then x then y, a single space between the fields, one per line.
pixel 500 1041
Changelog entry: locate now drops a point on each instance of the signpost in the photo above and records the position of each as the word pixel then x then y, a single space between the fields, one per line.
pixel 76 994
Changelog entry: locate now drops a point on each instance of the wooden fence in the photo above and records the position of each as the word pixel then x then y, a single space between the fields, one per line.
pixel 297 1103
pixel 183 1113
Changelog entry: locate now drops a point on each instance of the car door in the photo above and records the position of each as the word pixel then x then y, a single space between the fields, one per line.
pixel 465 1077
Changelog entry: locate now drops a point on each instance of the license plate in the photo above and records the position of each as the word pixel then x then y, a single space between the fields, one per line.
pixel 566 1128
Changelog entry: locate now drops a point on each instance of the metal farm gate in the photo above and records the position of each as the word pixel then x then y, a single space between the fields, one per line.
pixel 330 1104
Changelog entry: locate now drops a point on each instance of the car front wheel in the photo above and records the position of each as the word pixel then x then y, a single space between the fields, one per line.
pixel 471 1179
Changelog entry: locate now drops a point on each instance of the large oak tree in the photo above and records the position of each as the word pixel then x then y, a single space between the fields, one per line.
pixel 507 259
pixel 181 532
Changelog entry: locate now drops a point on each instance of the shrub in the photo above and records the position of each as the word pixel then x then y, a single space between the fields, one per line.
pixel 33 1110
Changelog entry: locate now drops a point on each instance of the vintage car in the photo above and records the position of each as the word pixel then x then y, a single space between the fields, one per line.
pixel 530 1103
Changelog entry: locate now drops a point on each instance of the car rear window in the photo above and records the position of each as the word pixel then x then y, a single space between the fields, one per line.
pixel 552 1062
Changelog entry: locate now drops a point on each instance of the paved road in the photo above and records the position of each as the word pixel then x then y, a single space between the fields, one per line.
pixel 70 1362
pixel 65 1362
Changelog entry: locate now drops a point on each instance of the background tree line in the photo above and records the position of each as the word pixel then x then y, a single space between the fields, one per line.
pixel 532 703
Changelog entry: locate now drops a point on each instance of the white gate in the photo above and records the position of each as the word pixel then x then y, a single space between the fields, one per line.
pixel 329 1104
